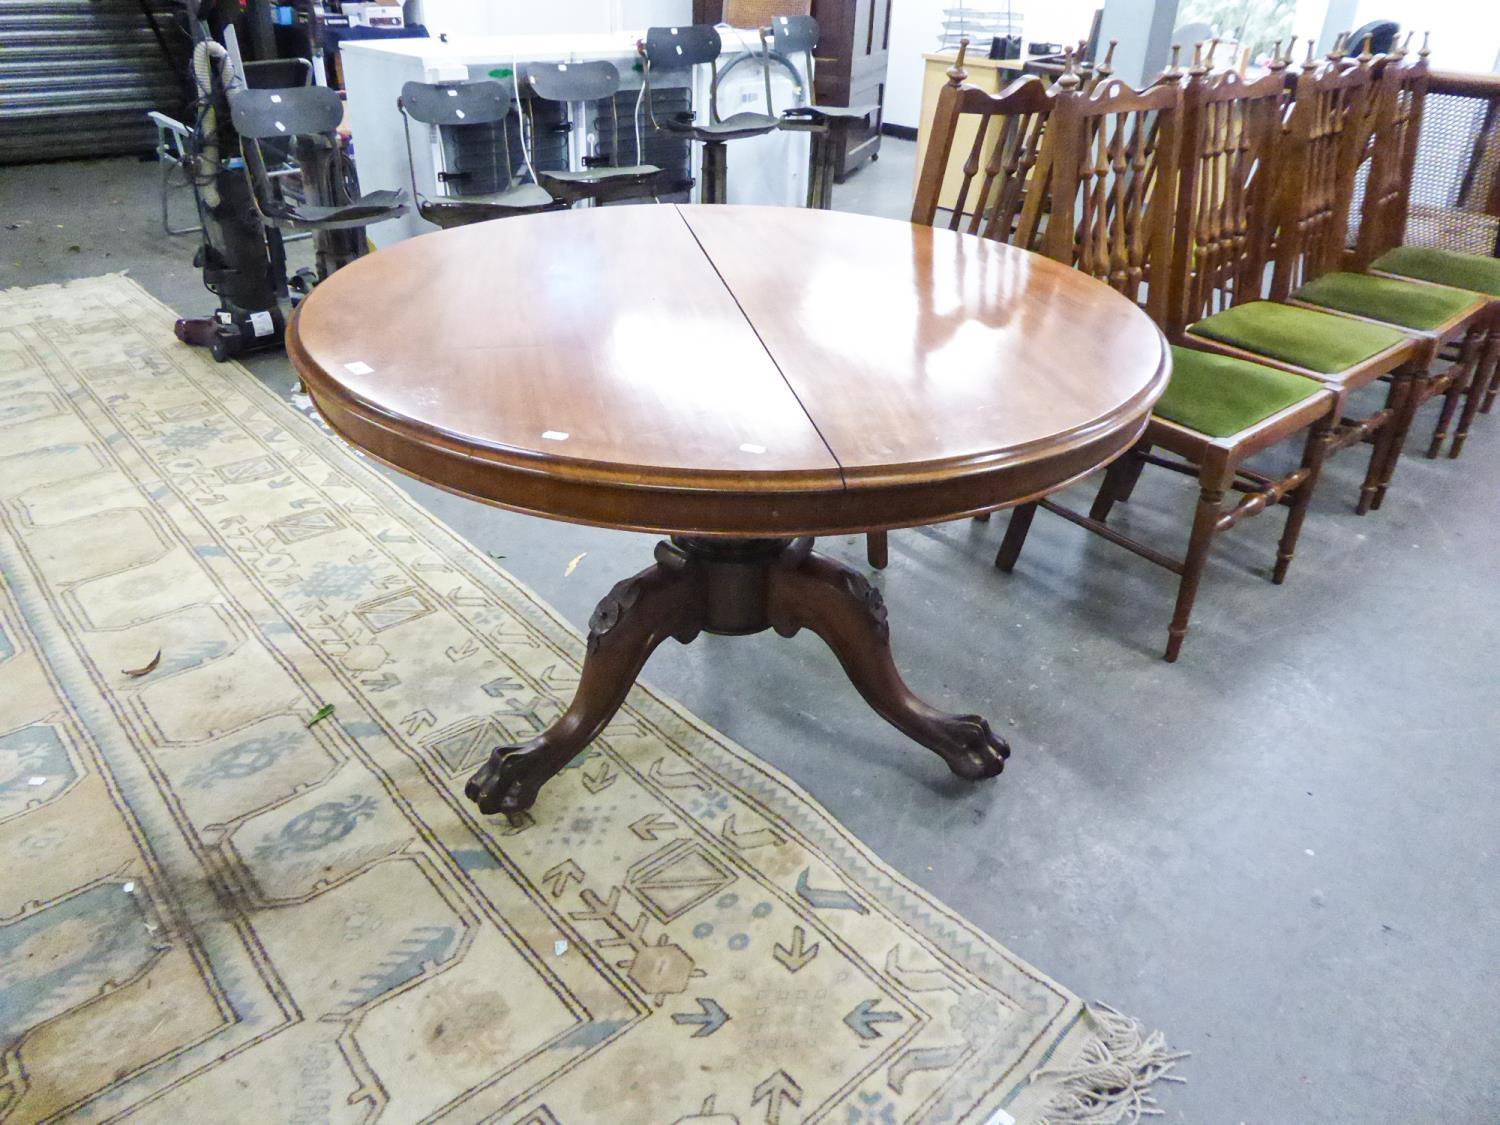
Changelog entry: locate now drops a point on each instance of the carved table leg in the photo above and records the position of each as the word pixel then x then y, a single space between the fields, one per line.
pixel 732 587
pixel 838 604
pixel 637 615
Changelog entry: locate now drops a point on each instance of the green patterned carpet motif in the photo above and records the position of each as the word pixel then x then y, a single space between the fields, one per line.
pixel 214 911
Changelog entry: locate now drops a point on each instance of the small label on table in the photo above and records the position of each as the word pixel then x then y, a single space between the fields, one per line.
pixel 751 447
pixel 357 368
pixel 555 435
pixel 262 324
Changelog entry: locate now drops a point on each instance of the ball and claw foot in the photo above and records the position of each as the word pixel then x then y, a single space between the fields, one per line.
pixel 501 785
pixel 976 752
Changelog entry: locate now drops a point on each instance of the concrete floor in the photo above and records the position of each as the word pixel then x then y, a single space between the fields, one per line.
pixel 1281 851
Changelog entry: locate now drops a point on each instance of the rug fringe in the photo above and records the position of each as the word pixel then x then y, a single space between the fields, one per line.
pixel 1110 1081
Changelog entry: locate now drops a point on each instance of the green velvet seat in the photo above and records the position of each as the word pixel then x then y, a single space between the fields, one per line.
pixel 1445 267
pixel 1317 341
pixel 1219 395
pixel 1409 304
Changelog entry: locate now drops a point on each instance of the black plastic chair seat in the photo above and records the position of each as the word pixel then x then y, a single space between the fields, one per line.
pixel 522 196
pixel 461 210
pixel 598 175
pixel 372 207
pixel 733 128
pixel 829 112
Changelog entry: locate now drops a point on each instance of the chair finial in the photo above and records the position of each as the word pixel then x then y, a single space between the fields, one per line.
pixel 1367 50
pixel 956 73
pixel 1340 48
pixel 1291 46
pixel 1311 51
pixel 1426 50
pixel 1208 59
pixel 1405 43
pixel 1069 78
pixel 1107 67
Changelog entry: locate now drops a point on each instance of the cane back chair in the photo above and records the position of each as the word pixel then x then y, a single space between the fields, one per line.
pixel 1143 174
pixel 1383 225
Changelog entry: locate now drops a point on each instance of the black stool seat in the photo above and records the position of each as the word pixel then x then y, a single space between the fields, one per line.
pixel 597 175
pixel 828 112
pixel 459 210
pixel 372 207
pixel 733 128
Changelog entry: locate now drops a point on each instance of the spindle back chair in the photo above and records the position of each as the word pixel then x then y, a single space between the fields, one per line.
pixel 1001 167
pixel 1400 92
pixel 1112 186
pixel 1325 139
pixel 1311 160
pixel 1227 183
pixel 1003 176
pixel 1133 170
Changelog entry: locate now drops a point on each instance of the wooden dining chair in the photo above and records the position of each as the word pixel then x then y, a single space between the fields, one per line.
pixel 1318 154
pixel 1148 176
pixel 1439 318
pixel 1382 228
pixel 1003 136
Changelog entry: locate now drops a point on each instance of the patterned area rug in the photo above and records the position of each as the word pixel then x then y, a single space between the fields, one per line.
pixel 219 906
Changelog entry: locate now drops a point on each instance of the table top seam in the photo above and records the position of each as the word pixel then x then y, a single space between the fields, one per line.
pixel 733 296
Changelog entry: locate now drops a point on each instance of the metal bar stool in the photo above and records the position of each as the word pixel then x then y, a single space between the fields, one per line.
pixel 600 179
pixel 307 119
pixel 681 48
pixel 468 105
pixel 828 125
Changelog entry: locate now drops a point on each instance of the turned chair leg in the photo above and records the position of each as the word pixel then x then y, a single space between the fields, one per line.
pixel 1445 418
pixel 1405 399
pixel 1313 455
pixel 1486 372
pixel 1492 380
pixel 1397 398
pixel 1205 524
pixel 1461 379
pixel 1119 482
pixel 1015 537
pixel 878 549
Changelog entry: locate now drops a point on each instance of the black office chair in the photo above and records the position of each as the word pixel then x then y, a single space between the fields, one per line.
pixel 454 106
pixel 828 125
pixel 1381 33
pixel 308 118
pixel 682 48
pixel 600 180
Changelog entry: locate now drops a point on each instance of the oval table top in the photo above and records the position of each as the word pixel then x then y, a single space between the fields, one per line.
pixel 724 370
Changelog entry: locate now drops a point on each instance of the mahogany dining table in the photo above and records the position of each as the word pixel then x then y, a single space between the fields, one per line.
pixel 740 380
